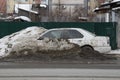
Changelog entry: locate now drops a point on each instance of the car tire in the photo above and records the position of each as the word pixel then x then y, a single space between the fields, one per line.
pixel 86 52
pixel 87 49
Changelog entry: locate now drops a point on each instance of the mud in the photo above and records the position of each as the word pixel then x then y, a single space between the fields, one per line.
pixel 69 55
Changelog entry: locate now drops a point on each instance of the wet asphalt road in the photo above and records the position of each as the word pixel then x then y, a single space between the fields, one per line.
pixel 110 64
pixel 59 71
pixel 59 65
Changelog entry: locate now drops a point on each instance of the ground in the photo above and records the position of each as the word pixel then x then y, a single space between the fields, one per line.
pixel 73 55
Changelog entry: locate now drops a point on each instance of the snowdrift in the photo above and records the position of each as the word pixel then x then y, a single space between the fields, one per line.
pixel 8 42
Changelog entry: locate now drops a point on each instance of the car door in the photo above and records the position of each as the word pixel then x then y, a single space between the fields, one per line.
pixel 73 36
pixel 53 34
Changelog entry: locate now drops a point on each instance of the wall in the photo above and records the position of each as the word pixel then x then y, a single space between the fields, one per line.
pixel 118 27
pixel 62 10
pixel 68 1
pixel 24 1
pixel 92 4
pixel 2 6
pixel 11 4
pixel 34 17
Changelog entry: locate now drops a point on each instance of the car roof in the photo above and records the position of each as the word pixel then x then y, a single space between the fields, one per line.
pixel 78 29
pixel 66 29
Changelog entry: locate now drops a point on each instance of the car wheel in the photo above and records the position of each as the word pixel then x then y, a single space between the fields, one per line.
pixel 86 52
pixel 87 49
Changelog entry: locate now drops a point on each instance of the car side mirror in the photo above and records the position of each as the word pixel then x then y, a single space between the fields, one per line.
pixel 40 38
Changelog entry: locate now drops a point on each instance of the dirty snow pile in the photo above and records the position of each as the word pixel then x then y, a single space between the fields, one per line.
pixel 26 40
pixel 8 42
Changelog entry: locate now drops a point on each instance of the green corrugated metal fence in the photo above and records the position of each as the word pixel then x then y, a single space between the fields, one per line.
pixel 101 29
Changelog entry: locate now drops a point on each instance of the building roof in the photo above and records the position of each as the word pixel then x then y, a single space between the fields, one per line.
pixel 115 4
pixel 115 0
pixel 26 7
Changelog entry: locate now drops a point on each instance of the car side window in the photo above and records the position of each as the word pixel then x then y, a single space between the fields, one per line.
pixel 75 34
pixel 53 34
pixel 47 35
pixel 70 34
pixel 63 34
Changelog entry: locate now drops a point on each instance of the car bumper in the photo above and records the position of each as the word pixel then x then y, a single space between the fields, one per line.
pixel 103 49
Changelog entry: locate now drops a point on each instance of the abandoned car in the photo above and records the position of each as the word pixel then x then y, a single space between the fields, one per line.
pixel 85 39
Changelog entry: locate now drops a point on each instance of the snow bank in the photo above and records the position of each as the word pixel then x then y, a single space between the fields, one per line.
pixel 23 18
pixel 7 42
pixel 115 0
pixel 25 42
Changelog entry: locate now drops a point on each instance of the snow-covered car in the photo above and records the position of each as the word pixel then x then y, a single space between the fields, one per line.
pixel 85 39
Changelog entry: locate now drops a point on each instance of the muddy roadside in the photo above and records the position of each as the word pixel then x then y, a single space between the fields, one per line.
pixel 74 55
